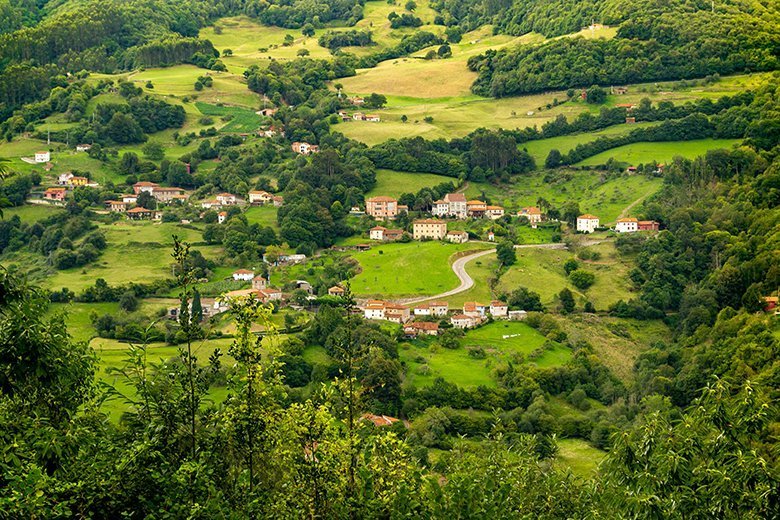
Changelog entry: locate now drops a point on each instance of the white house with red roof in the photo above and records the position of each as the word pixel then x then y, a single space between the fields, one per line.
pixel 243 275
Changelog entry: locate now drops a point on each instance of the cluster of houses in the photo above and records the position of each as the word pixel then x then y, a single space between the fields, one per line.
pixel 589 223
pixel 455 205
pixel 471 315
pixel 358 116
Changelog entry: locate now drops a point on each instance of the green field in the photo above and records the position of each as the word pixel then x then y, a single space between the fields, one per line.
pixel 31 213
pixel 579 456
pixel 425 363
pixel 393 183
pixel 136 252
pixel 239 120
pixel 414 268
pixel 638 153
pixel 263 215
pixel 607 197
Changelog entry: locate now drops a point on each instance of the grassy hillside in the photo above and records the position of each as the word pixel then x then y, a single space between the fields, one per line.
pixel 638 153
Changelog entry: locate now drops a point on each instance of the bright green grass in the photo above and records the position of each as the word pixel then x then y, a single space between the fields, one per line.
pixel 414 268
pixel 425 363
pixel 136 252
pixel 77 317
pixel 243 120
pixel 540 149
pixel 579 456
pixel 638 153
pixel 316 355
pixel 541 270
pixel 112 354
pixel 605 197
pixel 263 215
pixel 393 183
pixel 31 213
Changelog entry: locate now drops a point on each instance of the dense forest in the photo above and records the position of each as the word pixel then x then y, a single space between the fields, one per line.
pixel 653 43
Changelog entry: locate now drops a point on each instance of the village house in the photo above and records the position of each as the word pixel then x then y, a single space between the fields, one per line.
pixel 272 131
pixel 227 199
pixel 374 310
pixel 56 194
pixel 373 118
pixel 116 206
pixel 357 101
pixel 269 294
pixel 391 235
pixel 260 197
pixel 144 186
pixel 432 309
pixel 517 315
pixel 165 194
pixel 210 307
pixel 358 116
pixel 377 233
pixel 476 208
pixel 429 228
pixel 453 205
pixel 222 217
pixel 263 295
pixel 474 309
pixel 83 147
pixel 532 213
pixel 335 291
pixel 129 199
pixel 397 313
pixel 457 237
pixel 243 275
pixel 647 225
pixel 278 200
pixel 421 328
pixel 461 321
pixel 77 181
pixel 587 223
pixel 286 259
pixel 259 282
pixel 210 204
pixel 491 237
pixel 498 309
pixel 305 148
pixel 627 225
pixel 494 212
pixel 140 213
pixel 42 157
pixel 382 207
pixel 64 178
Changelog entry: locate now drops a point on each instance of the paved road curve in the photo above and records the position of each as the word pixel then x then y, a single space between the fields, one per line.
pixel 466 281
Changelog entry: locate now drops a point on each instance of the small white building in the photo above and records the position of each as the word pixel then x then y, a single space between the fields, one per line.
pixel 517 315
pixel 491 236
pixel 457 237
pixel 129 199
pixel 42 157
pixel 64 178
pixel 498 309
pixel 374 310
pixel 260 197
pixel 587 223
pixel 83 147
pixel 221 217
pixel 377 233
pixel 243 275
pixel 627 225
pixel 226 199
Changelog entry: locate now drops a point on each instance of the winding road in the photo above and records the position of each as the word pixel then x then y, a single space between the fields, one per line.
pixel 466 281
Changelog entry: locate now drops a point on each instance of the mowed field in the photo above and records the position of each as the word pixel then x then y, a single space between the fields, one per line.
pixel 501 342
pixel 638 153
pixel 393 183
pixel 414 268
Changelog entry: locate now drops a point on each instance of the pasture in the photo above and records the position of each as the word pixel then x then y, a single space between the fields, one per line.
pixel 239 120
pixel 500 342
pixel 393 183
pixel 638 153
pixel 31 213
pixel 413 268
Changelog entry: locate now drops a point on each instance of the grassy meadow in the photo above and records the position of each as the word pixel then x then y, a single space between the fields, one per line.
pixel 394 183
pixel 638 153
pixel 413 268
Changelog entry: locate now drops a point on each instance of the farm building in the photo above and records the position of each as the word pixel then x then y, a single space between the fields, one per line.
pixel 461 321
pixel 336 291
pixel 146 186
pixel 57 194
pixel 421 328
pixel 498 309
pixel 647 225
pixel 457 237
pixel 304 148
pixel 83 147
pixel 116 206
pixel 42 157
